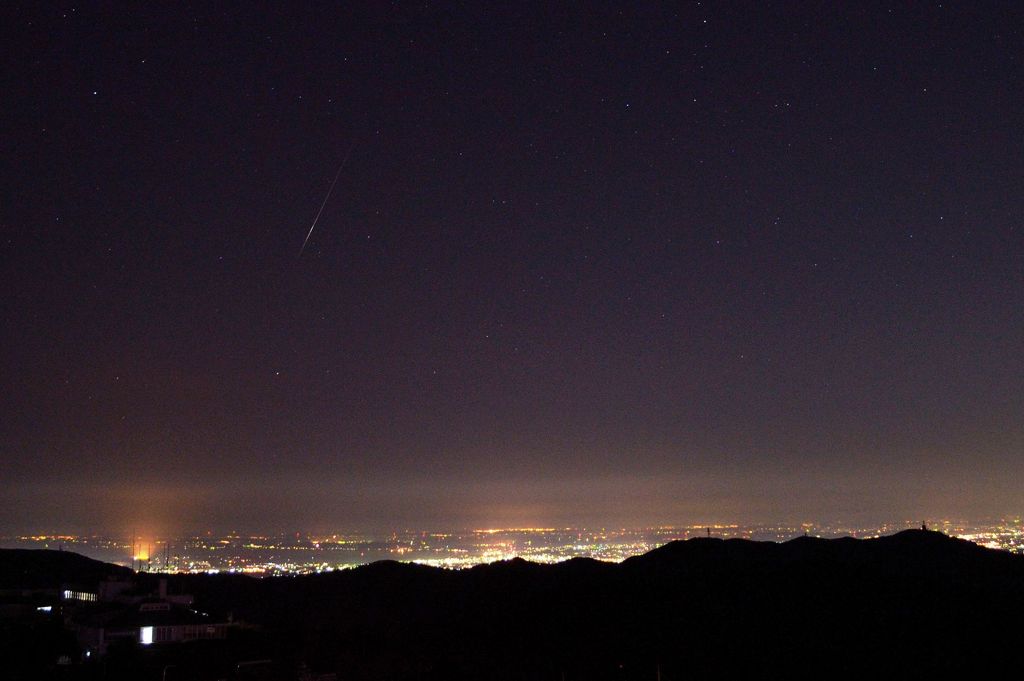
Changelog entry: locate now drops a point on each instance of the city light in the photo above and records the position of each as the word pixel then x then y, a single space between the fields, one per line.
pixel 267 555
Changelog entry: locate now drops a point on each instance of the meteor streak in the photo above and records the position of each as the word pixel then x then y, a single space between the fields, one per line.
pixel 331 189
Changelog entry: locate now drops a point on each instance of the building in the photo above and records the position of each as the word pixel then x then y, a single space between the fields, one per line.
pixel 147 624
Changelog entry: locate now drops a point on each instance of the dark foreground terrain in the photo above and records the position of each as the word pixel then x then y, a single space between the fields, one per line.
pixel 913 605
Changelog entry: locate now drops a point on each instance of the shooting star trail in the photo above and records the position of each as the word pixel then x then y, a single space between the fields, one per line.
pixel 319 212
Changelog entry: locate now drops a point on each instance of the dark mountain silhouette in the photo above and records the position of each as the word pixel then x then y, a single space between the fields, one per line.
pixel 913 605
pixel 41 568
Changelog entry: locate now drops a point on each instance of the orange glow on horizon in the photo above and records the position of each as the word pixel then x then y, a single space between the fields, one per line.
pixel 142 551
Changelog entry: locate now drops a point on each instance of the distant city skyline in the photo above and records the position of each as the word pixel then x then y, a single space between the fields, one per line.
pixel 269 554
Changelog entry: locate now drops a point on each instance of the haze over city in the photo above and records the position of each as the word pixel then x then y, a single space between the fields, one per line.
pixel 603 266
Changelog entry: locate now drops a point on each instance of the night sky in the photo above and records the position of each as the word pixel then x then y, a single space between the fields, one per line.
pixel 602 265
